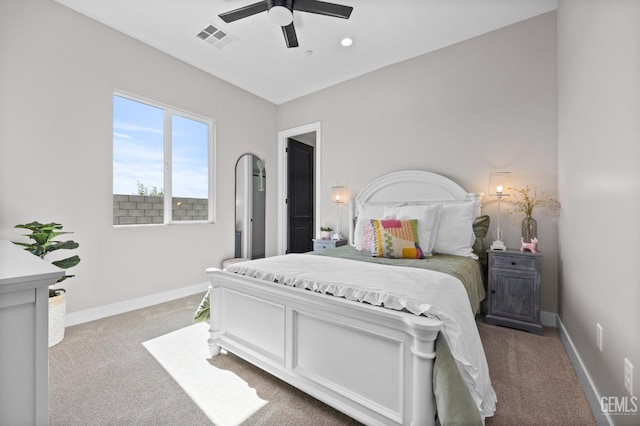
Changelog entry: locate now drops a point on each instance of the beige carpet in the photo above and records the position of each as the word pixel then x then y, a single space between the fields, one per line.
pixel 533 379
pixel 222 395
pixel 226 387
pixel 531 374
pixel 101 374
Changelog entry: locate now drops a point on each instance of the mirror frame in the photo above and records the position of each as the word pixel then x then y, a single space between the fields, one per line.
pixel 235 213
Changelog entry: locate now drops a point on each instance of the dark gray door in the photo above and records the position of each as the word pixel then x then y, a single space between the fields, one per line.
pixel 300 160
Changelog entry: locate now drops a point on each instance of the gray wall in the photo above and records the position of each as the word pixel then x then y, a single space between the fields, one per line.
pixel 486 104
pixel 57 76
pixel 599 182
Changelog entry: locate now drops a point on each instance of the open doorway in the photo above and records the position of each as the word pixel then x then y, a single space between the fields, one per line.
pixel 299 219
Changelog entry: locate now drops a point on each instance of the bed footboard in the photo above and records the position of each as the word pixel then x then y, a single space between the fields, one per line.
pixel 371 363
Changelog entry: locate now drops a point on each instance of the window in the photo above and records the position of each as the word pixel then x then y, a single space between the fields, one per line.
pixel 162 164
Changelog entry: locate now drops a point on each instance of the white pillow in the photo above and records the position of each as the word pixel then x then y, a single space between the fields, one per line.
pixel 428 217
pixel 363 224
pixel 455 229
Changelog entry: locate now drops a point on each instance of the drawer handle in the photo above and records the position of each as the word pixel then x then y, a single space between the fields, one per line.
pixel 513 263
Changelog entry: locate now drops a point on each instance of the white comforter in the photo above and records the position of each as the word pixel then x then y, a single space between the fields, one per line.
pixel 419 291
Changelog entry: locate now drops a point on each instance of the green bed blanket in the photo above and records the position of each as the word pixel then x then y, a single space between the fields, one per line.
pixel 454 403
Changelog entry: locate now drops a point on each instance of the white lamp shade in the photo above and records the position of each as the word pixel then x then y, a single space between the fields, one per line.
pixel 499 184
pixel 338 194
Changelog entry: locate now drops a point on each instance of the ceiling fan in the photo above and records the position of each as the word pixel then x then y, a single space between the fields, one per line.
pixel 281 13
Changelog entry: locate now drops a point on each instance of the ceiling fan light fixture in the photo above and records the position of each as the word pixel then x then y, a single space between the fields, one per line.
pixel 281 16
pixel 281 13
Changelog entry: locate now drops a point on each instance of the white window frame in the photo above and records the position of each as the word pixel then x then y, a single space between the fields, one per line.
pixel 169 111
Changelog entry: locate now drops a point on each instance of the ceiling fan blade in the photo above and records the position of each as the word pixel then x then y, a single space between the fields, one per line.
pixel 290 36
pixel 323 8
pixel 243 12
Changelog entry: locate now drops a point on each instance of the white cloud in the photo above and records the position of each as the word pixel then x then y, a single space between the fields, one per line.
pixel 123 125
pixel 121 135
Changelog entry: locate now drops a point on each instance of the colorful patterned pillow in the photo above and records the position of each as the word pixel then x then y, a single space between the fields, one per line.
pixel 428 217
pixel 396 238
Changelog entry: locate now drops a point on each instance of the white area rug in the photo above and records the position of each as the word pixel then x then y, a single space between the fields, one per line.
pixel 224 397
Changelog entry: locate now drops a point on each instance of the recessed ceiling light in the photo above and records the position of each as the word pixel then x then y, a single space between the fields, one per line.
pixel 347 41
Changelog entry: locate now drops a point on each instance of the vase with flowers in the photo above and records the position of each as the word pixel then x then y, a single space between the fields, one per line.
pixel 526 200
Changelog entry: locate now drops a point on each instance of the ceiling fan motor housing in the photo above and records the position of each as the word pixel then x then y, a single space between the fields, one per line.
pixel 286 3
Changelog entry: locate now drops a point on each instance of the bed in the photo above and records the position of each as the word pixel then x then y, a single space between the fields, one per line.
pixel 363 336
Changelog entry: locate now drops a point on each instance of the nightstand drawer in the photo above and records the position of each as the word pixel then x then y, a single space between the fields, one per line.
pixel 321 244
pixel 515 262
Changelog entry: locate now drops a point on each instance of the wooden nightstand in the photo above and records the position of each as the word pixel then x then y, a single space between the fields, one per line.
pixel 321 244
pixel 514 290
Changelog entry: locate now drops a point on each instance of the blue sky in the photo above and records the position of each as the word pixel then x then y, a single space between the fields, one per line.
pixel 138 150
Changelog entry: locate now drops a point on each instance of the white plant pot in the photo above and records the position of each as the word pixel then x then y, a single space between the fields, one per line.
pixel 57 309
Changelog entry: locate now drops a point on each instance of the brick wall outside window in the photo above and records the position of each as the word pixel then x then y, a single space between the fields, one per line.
pixel 144 209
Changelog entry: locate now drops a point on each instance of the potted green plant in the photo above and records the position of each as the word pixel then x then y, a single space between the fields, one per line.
pixel 42 243
pixel 325 232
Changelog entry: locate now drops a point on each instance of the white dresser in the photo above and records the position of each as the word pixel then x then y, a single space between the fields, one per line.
pixel 24 348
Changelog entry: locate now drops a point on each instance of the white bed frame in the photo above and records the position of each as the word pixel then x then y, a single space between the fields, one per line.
pixel 371 363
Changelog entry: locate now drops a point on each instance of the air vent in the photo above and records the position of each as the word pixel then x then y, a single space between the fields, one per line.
pixel 215 36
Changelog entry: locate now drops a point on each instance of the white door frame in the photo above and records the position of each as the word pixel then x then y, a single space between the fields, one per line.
pixel 283 135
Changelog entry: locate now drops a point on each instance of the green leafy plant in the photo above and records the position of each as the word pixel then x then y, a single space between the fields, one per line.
pixel 326 229
pixel 526 199
pixel 153 192
pixel 43 243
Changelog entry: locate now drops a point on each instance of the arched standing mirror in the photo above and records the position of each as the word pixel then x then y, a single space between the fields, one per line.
pixel 250 207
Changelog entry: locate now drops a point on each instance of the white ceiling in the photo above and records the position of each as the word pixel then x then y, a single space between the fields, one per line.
pixel 385 32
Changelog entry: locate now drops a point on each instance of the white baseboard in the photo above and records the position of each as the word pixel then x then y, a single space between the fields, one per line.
pixel 590 391
pixel 133 304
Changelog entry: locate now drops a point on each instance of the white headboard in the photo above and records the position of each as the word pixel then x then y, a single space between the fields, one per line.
pixel 411 187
